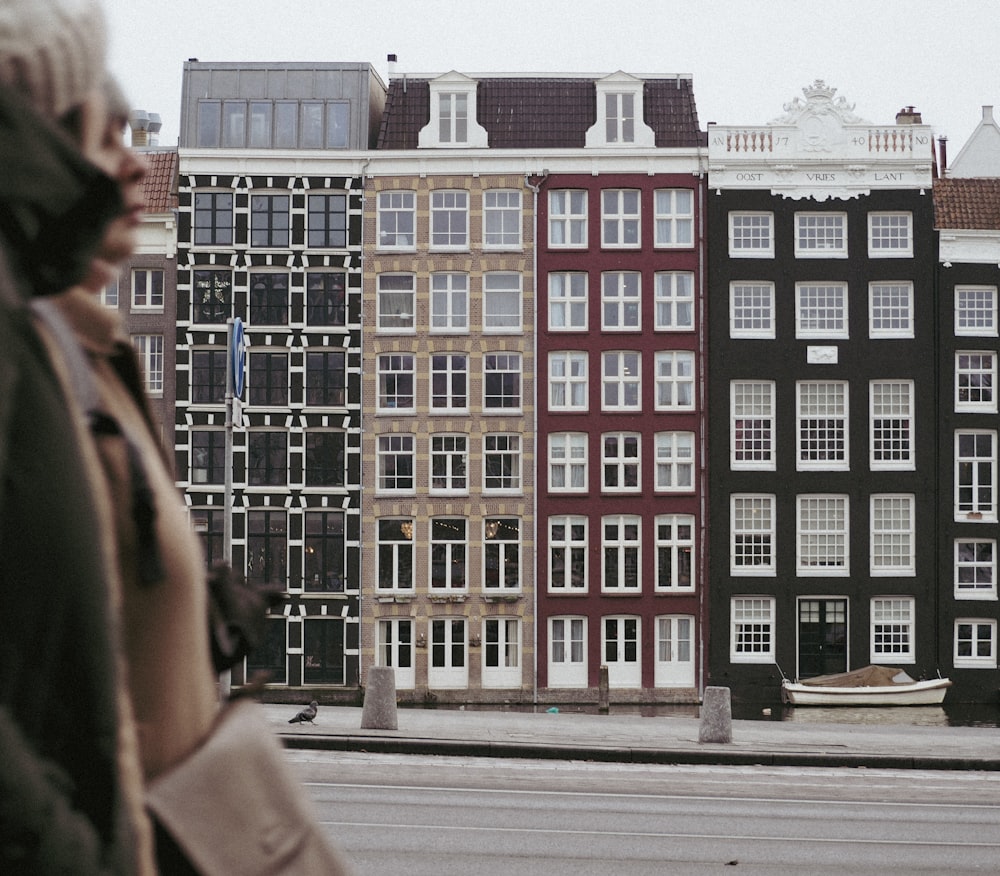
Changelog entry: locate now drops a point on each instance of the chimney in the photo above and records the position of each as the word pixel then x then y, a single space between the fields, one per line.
pixel 908 116
pixel 155 124
pixel 943 154
pixel 138 121
pixel 987 115
pixel 391 60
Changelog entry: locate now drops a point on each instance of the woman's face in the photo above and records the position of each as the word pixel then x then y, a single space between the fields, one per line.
pixel 102 142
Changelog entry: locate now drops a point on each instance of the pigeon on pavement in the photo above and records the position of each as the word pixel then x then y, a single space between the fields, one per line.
pixel 307 714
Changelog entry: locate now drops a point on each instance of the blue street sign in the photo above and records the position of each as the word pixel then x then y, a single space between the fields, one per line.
pixel 238 351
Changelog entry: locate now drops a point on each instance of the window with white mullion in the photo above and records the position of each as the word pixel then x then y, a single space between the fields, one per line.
pixel 501 302
pixel 751 309
pixel 620 461
pixel 453 117
pixel 501 219
pixel 821 310
pixel 674 217
pixel 621 381
pixel 395 458
pixel 892 629
pixel 751 424
pixel 976 475
pixel 449 464
pixel 620 215
pixel 820 235
pixel 976 643
pixel 568 462
pixel 396 220
pixel 674 552
pixel 568 554
pixel 975 378
pixel 675 462
pixel 975 568
pixel 891 424
pixel 501 463
pixel 890 309
pixel 501 554
pixel 449 566
pixel 568 381
pixel 751 235
pixel 976 311
pixel 822 536
pixel 620 547
pixel 674 375
pixel 674 301
pixel 752 535
pixel 396 295
pixel 752 629
pixel 567 302
pixel 621 302
pixel 619 108
pixel 893 533
pixel 395 554
pixel 567 218
pixel 449 302
pixel 449 382
pixel 822 425
pixel 890 235
pixel 449 220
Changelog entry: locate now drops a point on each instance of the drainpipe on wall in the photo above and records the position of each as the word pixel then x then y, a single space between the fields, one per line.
pixel 703 383
pixel 534 426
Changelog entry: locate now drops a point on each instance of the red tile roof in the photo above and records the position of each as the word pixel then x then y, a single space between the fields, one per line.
pixel 972 203
pixel 160 185
pixel 540 112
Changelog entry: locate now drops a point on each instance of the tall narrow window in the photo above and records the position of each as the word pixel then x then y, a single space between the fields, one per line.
pixel 620 546
pixel 449 464
pixel 396 217
pixel 448 554
pixel 752 424
pixel 674 217
pixel 267 547
pixel 449 382
pixel 150 351
pixel 567 302
pixel 396 302
pixel 502 382
pixel 568 381
pixel 269 220
pixel 674 381
pixel 449 219
pixel 567 554
pixel 212 296
pixel 752 529
pixel 449 302
pixel 502 463
pixel 675 462
pixel 326 460
pixel 568 462
pixel 267 458
pixel 620 462
pixel 501 302
pixel 396 382
pixel 621 304
pixel 395 463
pixel 326 303
pixel 674 552
pixel 326 378
pixel 619 109
pixel 501 219
pixel 822 421
pixel 975 475
pixel 620 218
pixel 891 424
pixel 674 301
pixel 621 381
pixel 327 221
pixel 324 552
pixel 395 554
pixel 269 299
pixel 822 535
pixel 501 554
pixel 568 218
pixel 893 535
pixel 453 117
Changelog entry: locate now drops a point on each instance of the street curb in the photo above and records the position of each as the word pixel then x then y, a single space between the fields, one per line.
pixel 617 754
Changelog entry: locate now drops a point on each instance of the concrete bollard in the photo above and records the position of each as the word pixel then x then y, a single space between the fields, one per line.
pixel 716 716
pixel 379 710
pixel 603 692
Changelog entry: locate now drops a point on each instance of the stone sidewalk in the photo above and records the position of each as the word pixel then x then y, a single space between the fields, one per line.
pixel 634 739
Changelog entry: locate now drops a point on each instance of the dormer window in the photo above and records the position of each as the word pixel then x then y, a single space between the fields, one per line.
pixel 619 108
pixel 452 120
pixel 619 113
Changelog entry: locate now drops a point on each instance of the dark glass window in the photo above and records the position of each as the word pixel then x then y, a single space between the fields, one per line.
pixel 213 219
pixel 212 296
pixel 325 459
pixel 323 644
pixel 268 379
pixel 208 377
pixel 269 655
pixel 324 551
pixel 267 543
pixel 328 220
pixel 208 456
pixel 210 525
pixel 269 220
pixel 267 455
pixel 325 302
pixel 326 378
pixel 269 299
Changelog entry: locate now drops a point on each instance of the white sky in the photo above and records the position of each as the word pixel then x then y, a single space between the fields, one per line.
pixel 748 57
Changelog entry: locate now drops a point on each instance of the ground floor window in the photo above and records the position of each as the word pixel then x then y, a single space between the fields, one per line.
pixel 395 649
pixel 501 652
pixel 751 629
pixel 269 657
pixel 892 628
pixel 976 643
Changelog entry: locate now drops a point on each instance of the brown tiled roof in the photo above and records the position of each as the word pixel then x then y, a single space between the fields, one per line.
pixel 160 185
pixel 540 113
pixel 967 203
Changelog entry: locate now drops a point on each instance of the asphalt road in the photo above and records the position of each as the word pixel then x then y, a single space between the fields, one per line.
pixel 416 815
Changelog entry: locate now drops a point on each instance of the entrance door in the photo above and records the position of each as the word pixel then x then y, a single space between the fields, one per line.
pixel 822 637
pixel 621 651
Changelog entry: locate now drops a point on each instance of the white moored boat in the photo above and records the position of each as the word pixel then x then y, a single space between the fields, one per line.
pixel 870 686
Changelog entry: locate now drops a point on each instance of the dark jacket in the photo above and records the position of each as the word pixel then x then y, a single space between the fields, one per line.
pixel 60 791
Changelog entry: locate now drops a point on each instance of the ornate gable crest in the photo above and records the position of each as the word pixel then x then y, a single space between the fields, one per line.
pixel 820 118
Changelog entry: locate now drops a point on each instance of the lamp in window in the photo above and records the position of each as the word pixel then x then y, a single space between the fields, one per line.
pixel 406 527
pixel 492 526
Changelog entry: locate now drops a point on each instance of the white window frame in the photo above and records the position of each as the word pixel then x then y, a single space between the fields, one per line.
pixel 621 540
pixel 751 309
pixel 752 629
pixel 675 462
pixel 621 301
pixel 501 636
pixel 449 220
pixel 568 297
pixel 150 350
pixel 675 552
pixel 976 631
pixel 976 381
pixel 502 219
pixel 568 381
pixel 567 454
pixel 398 365
pixel 751 235
pixel 673 301
pixel 621 218
pixel 969 462
pixel 502 303
pixel 497 538
pixel 890 309
pixel 976 311
pixel 621 380
pixel 396 547
pixel 455 545
pixel 567 219
pixel 453 117
pixel 673 218
pixel 572 548
pixel 882 245
pixel 619 465
pixel 503 448
pixel 822 419
pixel 449 465
pixel 152 299
pixel 822 536
pixel 392 447
pixel 675 380
pixel 752 534
pixel 455 368
pixel 567 652
pixel 501 363
pixel 821 310
pixel 447 636
pixel 752 418
pixel 620 116
pixel 821 235
pixel 397 307
pixel 449 303
pixel 976 568
pixel 392 645
pixel 891 424
pixel 892 546
pixel 398 205
pixel 893 629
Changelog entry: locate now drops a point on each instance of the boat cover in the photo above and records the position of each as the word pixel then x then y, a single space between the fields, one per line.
pixel 868 676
